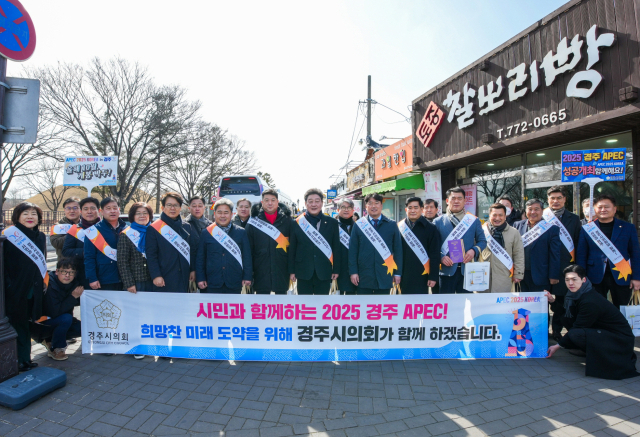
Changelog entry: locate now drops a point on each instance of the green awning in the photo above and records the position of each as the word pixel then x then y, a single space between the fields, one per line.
pixel 415 182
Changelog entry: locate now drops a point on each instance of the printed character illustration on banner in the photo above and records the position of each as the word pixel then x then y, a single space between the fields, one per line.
pixel 520 341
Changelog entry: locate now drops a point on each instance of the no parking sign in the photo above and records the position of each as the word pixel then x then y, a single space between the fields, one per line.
pixel 17 33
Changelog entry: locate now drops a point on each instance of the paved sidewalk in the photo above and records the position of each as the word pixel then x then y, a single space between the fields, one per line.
pixel 120 396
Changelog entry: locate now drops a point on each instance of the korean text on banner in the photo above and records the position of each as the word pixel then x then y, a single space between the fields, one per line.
pixel 90 171
pixel 314 328
pixel 606 164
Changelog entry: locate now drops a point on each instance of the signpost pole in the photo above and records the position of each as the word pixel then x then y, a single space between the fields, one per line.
pixel 8 346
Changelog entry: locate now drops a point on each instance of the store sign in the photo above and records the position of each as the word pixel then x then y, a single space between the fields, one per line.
pixel 395 159
pixel 433 187
pixel 606 164
pixel 341 187
pixel 361 176
pixel 527 78
pixel 331 194
pixel 430 123
pixel 470 197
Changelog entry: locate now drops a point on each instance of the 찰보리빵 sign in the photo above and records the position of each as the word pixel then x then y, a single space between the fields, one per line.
pixel 606 164
pixel 314 328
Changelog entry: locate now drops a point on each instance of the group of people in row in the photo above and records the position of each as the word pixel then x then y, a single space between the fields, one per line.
pixel 264 249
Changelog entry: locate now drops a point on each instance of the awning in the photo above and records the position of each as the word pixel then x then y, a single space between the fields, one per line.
pixel 415 182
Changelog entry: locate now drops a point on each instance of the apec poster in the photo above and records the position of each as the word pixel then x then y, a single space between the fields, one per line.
pixel 90 171
pixel 606 164
pixel 315 328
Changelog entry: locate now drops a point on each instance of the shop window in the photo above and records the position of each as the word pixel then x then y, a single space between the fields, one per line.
pixel 502 177
pixel 389 207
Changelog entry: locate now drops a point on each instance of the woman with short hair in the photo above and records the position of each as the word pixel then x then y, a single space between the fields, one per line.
pixel 132 262
pixel 25 276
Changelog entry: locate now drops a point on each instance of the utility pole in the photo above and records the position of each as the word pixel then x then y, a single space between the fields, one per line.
pixel 369 112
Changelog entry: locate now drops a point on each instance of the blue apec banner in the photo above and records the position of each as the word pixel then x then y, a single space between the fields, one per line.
pixel 606 164
pixel 315 328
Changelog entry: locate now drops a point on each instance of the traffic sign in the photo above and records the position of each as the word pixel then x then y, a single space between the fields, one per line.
pixel 17 33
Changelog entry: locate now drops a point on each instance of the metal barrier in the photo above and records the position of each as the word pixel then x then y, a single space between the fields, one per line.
pixel 49 218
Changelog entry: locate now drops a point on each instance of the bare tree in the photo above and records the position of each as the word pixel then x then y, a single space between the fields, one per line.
pixel 114 108
pixel 267 178
pixel 47 182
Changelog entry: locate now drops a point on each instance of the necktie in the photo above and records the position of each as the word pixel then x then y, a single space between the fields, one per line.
pixel 375 223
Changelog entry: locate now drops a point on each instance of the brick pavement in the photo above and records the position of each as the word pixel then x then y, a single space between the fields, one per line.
pixel 119 396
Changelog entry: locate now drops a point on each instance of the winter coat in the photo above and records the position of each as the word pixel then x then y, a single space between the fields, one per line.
pixel 132 265
pixel 366 262
pixel 58 299
pixel 198 225
pixel 610 341
pixel 308 258
pixel 591 257
pixel 544 253
pixel 238 222
pixel 271 265
pixel 515 216
pixel 500 280
pixel 74 249
pixel 167 262
pixel 413 280
pixel 218 266
pixel 97 265
pixel 57 241
pixel 22 277
pixel 473 239
pixel 572 224
pixel 344 280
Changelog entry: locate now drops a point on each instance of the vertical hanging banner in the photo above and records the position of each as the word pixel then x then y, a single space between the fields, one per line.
pixel 315 328
pixel 433 187
pixel 470 197
pixel 90 171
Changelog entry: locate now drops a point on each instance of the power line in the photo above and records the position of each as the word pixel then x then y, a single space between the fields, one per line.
pixel 407 119
pixel 352 143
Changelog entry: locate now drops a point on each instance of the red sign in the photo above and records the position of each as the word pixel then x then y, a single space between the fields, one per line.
pixel 17 33
pixel 394 159
pixel 429 125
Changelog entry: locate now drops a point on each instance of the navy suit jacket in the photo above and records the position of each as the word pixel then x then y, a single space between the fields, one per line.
pixel 545 254
pixel 97 265
pixel 624 238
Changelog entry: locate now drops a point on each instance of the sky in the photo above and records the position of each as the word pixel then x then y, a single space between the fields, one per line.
pixel 287 76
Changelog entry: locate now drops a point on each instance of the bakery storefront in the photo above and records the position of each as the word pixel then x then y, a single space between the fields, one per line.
pixel 395 179
pixel 567 83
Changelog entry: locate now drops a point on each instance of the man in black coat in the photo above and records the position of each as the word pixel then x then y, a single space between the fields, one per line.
pixel 595 327
pixel 315 263
pixel 73 246
pixel 60 298
pixel 556 198
pixel 269 229
pixel 415 280
pixel 170 269
pixel 345 218
pixel 513 215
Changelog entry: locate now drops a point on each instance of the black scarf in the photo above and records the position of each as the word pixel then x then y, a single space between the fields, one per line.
pixel 84 224
pixel 496 232
pixel 346 222
pixel 571 297
pixel 313 219
pixel 32 234
pixel 176 225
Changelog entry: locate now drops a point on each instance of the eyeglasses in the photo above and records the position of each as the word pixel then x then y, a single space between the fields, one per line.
pixel 346 208
pixel 172 206
pixel 71 208
pixel 67 272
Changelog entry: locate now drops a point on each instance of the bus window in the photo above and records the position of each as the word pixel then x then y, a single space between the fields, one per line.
pixel 239 185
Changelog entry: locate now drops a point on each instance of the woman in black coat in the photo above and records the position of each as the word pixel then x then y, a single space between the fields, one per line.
pixel 132 263
pixel 170 270
pixel 597 328
pixel 24 283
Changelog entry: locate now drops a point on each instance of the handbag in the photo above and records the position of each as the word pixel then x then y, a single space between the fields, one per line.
pixel 631 312
pixel 395 289
pixel 476 276
pixel 333 291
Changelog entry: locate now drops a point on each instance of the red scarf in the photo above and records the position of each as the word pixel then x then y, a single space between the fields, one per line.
pixel 271 218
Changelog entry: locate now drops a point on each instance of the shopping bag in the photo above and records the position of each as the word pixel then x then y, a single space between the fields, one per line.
pixel 246 289
pixel 333 291
pixel 395 289
pixel 631 312
pixel 292 288
pixel 476 276
pixel 193 287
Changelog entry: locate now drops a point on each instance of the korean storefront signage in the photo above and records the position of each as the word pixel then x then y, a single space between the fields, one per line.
pixel 314 328
pixel 433 187
pixel 470 197
pixel 606 164
pixel 395 159
pixel 361 176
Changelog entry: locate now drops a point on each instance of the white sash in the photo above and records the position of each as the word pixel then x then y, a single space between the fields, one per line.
pixel 459 231
pixel 60 229
pixel 608 248
pixel 344 238
pixel 134 236
pixel 225 241
pixel 94 235
pixel 271 231
pixel 379 244
pixel 29 248
pixel 315 237
pixel 534 234
pixel 174 238
pixel 415 245
pixel 497 250
pixel 565 237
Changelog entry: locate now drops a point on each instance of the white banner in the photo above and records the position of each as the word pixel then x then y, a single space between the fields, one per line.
pixel 565 237
pixel 90 171
pixel 314 328
pixel 345 238
pixel 534 233
pixel 433 187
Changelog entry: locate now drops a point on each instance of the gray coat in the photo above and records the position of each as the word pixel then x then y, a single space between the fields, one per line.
pixel 499 279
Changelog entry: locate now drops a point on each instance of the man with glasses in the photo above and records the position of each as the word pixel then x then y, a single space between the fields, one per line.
pixel 345 218
pixel 74 240
pixel 71 217
pixel 63 294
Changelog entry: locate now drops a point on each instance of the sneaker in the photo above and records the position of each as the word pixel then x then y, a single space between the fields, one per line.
pixel 58 354
pixel 139 357
pixel 47 345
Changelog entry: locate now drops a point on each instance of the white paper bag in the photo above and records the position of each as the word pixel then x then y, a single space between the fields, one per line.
pixel 476 276
pixel 631 312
